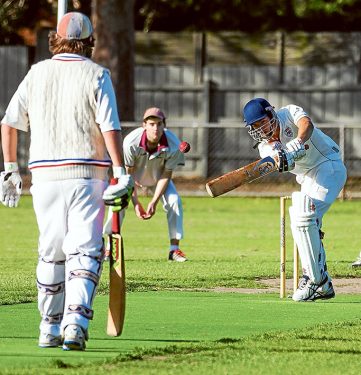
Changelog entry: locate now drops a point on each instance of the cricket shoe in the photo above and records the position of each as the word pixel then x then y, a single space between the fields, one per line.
pixel 74 338
pixel 46 340
pixel 357 262
pixel 307 290
pixel 177 256
pixel 325 291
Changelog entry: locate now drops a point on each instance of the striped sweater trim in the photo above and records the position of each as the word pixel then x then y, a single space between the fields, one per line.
pixel 69 57
pixel 68 162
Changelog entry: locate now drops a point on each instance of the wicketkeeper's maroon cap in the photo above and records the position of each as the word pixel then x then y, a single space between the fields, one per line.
pixel 74 26
pixel 153 112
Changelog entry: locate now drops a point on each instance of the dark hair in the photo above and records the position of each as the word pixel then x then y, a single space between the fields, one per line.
pixel 82 47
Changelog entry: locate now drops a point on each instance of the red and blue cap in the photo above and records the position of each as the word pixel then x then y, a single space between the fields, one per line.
pixel 255 110
pixel 74 26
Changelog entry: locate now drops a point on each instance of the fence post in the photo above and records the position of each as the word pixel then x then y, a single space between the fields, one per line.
pixel 204 133
pixel 62 8
pixel 341 130
pixel 282 57
pixel 200 56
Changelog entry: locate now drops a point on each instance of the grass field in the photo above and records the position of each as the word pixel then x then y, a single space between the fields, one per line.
pixel 175 323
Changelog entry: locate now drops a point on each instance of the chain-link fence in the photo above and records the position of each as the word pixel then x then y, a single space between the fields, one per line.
pixel 219 148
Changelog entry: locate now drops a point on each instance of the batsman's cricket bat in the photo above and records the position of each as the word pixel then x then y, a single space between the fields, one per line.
pixel 238 177
pixel 116 311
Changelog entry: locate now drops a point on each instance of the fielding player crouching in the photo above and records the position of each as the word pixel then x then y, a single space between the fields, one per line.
pixel 151 153
pixel 314 158
pixel 68 102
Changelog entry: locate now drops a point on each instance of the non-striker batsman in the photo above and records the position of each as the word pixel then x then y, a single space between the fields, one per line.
pixel 314 158
pixel 68 103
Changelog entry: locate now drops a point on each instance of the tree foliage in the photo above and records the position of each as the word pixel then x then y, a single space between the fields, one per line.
pixel 115 49
pixel 198 15
pixel 17 15
pixel 248 15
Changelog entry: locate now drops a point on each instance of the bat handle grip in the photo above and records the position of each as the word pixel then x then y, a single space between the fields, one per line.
pixel 115 218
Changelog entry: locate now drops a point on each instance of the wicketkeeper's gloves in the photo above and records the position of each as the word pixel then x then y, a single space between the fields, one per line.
pixel 10 185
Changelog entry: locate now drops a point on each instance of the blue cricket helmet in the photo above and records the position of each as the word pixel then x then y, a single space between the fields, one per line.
pixel 255 110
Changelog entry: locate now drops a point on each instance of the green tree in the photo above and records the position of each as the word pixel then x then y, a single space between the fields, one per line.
pixel 248 15
pixel 15 14
pixel 198 15
pixel 30 14
pixel 115 48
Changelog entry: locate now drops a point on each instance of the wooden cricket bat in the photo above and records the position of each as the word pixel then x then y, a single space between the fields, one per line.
pixel 238 177
pixel 116 310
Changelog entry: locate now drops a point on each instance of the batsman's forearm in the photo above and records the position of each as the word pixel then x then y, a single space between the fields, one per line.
pixel 9 141
pixel 305 129
pixel 113 141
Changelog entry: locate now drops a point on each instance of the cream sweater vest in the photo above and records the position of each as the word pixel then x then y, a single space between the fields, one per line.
pixel 65 142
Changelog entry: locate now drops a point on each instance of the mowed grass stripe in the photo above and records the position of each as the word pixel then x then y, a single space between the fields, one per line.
pixel 166 321
pixel 231 242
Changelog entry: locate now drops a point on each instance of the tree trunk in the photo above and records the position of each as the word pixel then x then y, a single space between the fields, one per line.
pixel 114 49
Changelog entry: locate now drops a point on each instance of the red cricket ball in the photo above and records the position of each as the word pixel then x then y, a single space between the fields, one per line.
pixel 184 147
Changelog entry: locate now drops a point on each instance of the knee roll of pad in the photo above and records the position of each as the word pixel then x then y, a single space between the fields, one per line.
pixel 303 210
pixel 84 266
pixel 50 273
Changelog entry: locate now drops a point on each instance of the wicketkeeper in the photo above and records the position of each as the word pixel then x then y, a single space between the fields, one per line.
pixel 314 158
pixel 68 103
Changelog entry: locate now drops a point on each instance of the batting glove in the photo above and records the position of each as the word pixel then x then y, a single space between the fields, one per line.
pixel 118 195
pixel 297 148
pixel 286 161
pixel 10 185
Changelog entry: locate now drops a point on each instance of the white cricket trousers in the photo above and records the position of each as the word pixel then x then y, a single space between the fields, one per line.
pixel 70 217
pixel 323 184
pixel 172 205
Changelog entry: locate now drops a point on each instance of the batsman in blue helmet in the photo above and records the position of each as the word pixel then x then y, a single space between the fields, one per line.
pixel 315 159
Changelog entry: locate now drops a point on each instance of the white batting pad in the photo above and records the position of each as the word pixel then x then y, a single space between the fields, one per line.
pixel 51 292
pixel 82 277
pixel 306 235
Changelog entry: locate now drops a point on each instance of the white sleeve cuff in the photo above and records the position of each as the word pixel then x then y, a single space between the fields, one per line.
pixel 11 167
pixel 118 171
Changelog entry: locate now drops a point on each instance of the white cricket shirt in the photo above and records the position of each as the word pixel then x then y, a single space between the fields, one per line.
pixel 150 166
pixel 320 146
